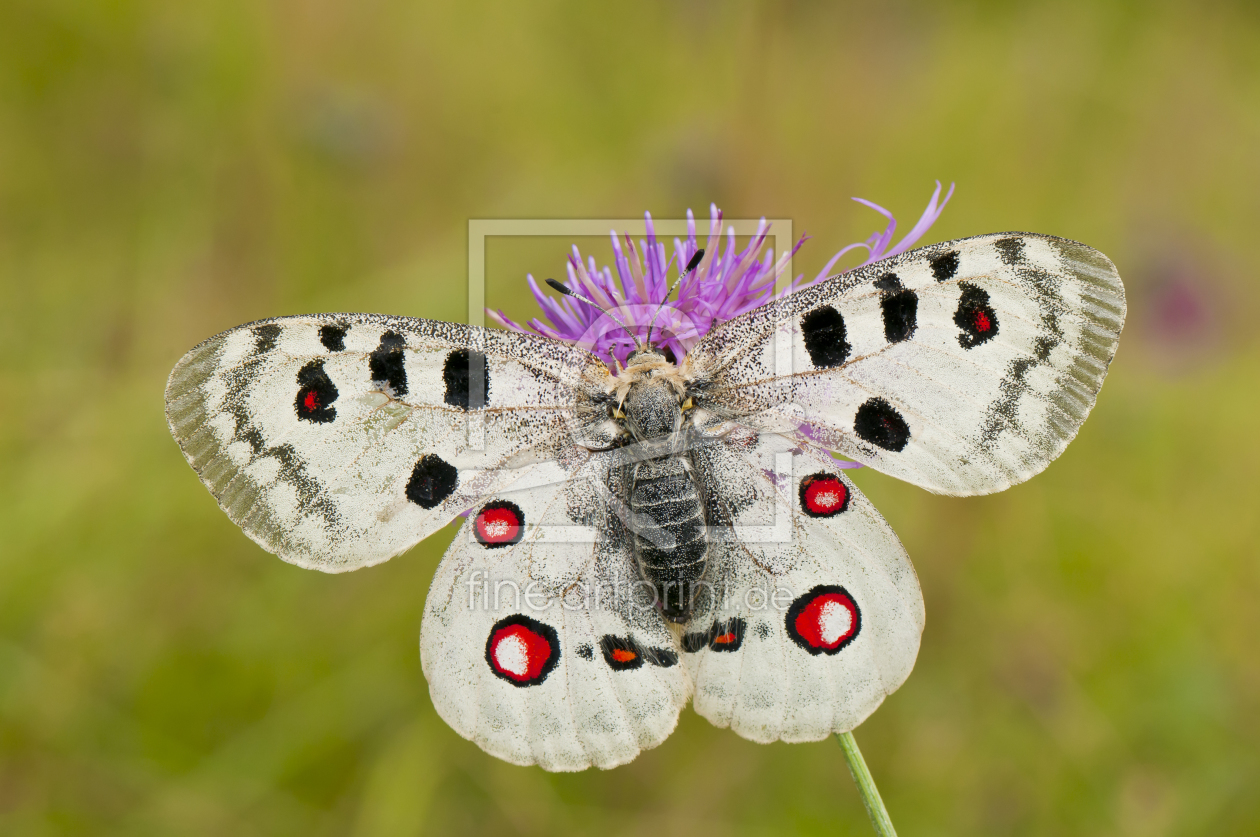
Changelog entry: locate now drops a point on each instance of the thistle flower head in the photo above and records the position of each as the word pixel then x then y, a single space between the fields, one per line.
pixel 725 283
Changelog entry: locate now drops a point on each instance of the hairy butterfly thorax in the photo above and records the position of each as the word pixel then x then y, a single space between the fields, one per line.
pixel 663 499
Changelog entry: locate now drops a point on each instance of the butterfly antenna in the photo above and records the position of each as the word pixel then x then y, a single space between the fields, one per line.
pixel 691 265
pixel 567 291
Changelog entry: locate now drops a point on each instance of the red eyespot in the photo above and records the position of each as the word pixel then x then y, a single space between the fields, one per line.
pixel 499 523
pixel 824 620
pixel 823 495
pixel 726 636
pixel 315 394
pixel 975 317
pixel 522 651
pixel 623 653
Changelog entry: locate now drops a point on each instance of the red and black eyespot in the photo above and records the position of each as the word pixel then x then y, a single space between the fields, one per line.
pixel 975 316
pixel 622 653
pixel 823 495
pixel 522 651
pixel 316 392
pixel 824 620
pixel 727 635
pixel 499 523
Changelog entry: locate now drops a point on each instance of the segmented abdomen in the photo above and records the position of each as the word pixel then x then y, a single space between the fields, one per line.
pixel 669 531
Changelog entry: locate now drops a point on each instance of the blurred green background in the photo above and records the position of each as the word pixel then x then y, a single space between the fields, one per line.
pixel 169 170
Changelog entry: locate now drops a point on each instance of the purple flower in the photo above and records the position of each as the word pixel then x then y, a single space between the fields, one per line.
pixel 727 282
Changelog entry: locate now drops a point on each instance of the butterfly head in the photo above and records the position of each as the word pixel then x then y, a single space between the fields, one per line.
pixel 649 357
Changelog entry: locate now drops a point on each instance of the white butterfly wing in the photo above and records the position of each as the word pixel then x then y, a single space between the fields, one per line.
pixel 540 642
pixel 815 612
pixel 964 367
pixel 337 441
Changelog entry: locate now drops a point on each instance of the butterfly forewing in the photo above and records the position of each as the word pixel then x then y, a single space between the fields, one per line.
pixel 965 367
pixel 337 441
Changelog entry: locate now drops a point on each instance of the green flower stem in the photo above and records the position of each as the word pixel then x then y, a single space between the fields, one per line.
pixel 866 786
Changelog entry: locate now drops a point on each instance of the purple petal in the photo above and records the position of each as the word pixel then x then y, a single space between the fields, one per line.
pixel 928 218
pixel 727 283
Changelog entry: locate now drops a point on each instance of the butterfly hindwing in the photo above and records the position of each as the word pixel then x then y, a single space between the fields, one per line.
pixel 539 641
pixel 814 614
pixel 339 440
pixel 965 367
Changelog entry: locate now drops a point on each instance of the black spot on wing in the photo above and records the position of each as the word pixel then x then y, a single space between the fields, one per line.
pixel 879 423
pixel 585 651
pixel 823 332
pixel 333 337
pixel 467 378
pixel 265 337
pixel 663 657
pixel 1011 250
pixel 316 393
pixel 386 364
pixel 944 266
pixel 889 282
pixel 693 642
pixel 901 313
pixel 432 481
